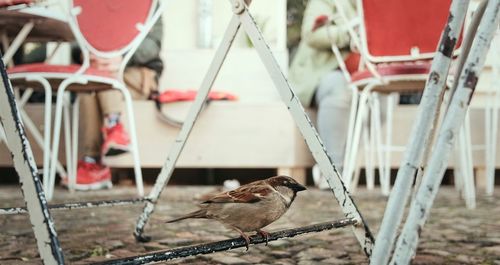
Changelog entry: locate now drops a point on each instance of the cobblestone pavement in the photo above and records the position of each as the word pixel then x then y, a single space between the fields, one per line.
pixel 452 235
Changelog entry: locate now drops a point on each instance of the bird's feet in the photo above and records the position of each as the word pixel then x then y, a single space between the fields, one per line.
pixel 264 234
pixel 247 239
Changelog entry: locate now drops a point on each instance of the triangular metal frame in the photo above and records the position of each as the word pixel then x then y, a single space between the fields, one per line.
pixel 43 226
pixel 242 17
pixel 38 209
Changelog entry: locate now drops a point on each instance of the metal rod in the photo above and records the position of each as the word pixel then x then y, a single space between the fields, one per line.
pixel 76 205
pixel 420 207
pixel 470 186
pixel 226 244
pixel 18 41
pixel 420 134
pixel 181 138
pixel 318 150
pixel 24 163
pixel 490 174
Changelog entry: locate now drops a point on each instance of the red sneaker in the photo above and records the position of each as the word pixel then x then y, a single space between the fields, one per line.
pixel 116 140
pixel 91 176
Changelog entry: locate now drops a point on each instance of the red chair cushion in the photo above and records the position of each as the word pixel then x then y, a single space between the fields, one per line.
pixel 55 69
pixel 395 69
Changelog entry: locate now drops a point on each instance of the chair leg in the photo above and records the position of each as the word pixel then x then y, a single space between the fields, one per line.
pixel 384 183
pixel 67 134
pixel 457 170
pixel 56 137
pixel 470 189
pixel 488 111
pixel 368 135
pixel 492 145
pixel 47 126
pixel 46 131
pixel 42 141
pixel 356 176
pixel 350 129
pixel 466 171
pixel 133 139
pixel 2 134
pixel 391 101
pixel 74 146
pixel 351 160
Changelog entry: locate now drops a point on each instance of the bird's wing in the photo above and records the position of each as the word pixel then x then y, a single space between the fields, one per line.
pixel 243 194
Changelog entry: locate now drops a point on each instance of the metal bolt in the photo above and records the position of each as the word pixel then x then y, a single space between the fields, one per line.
pixel 238 6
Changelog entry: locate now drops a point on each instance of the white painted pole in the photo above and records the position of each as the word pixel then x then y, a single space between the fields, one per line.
pixel 420 134
pixel 24 163
pixel 420 207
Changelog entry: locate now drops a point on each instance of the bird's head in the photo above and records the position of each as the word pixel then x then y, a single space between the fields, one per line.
pixel 285 182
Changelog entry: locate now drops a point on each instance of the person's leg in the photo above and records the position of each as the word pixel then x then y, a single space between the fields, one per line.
pixel 111 103
pixel 116 139
pixel 333 99
pixel 91 120
pixel 141 82
pixel 91 174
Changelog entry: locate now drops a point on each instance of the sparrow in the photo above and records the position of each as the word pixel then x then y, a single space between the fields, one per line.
pixel 251 206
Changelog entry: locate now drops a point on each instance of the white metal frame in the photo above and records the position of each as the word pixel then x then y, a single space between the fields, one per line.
pixel 79 77
pixel 419 158
pixel 243 18
pixel 20 149
pixel 420 207
pixel 10 49
pixel 362 95
pixel 42 140
pixel 491 118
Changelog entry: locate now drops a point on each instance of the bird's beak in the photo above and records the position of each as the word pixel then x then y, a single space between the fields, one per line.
pixel 297 187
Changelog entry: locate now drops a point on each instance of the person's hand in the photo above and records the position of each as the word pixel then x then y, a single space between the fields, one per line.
pixel 4 3
pixel 110 65
pixel 320 21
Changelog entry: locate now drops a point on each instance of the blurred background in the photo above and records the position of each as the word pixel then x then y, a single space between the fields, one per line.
pixel 251 137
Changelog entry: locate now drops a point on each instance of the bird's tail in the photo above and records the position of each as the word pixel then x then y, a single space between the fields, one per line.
pixel 196 214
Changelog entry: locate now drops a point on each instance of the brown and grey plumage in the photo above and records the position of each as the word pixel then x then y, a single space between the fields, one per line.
pixel 249 207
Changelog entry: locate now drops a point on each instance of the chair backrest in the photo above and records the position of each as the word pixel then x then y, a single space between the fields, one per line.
pixel 395 30
pixel 109 27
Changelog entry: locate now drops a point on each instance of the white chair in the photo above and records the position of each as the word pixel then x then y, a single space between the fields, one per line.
pixel 396 43
pixel 107 33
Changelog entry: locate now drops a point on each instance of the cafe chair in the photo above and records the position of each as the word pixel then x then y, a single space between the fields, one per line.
pixel 107 29
pixel 396 41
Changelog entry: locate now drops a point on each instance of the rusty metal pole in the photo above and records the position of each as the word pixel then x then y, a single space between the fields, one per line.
pixel 420 135
pixel 212 247
pixel 421 205
pixel 24 163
